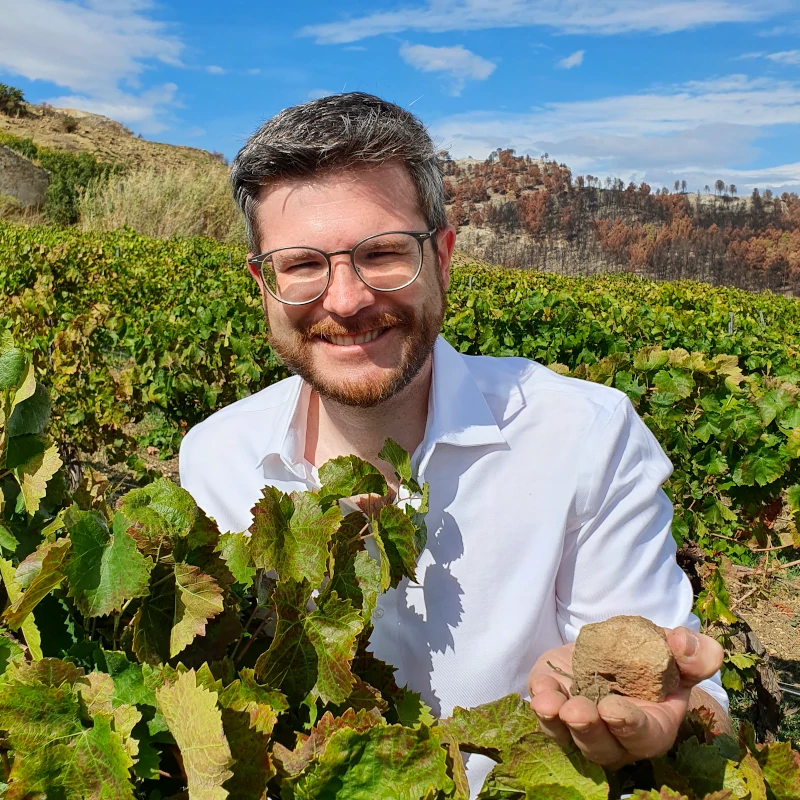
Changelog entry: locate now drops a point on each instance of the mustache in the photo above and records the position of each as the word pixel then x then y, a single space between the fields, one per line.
pixel 356 327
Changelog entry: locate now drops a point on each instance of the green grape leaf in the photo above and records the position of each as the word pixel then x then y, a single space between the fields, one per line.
pixel 780 765
pixel 355 575
pixel 55 754
pixel 649 359
pixel 252 766
pixel 792 445
pixel 707 768
pixel 311 650
pixel 7 539
pixel 13 364
pixel 291 535
pixel 491 729
pixel 30 630
pixel 397 533
pixel 665 794
pixel 388 761
pixel 31 415
pixel 536 761
pixel 392 453
pixel 195 722
pixel 163 509
pixel 153 622
pixel 347 476
pixel 50 575
pixel 412 711
pixel 104 568
pixel 260 703
pixel 673 384
pixel 773 404
pixel 235 551
pixel 34 475
pixel 761 467
pixel 199 598
pixel 95 764
pixel 793 498
pixel 129 684
pixel 293 762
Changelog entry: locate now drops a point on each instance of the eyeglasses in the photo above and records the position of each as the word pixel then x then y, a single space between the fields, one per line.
pixel 385 262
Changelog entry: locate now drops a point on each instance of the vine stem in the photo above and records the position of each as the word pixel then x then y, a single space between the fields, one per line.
pixel 5 474
pixel 118 620
pixel 6 765
pixel 252 639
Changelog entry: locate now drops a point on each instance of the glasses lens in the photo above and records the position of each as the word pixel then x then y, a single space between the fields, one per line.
pixel 388 261
pixel 296 274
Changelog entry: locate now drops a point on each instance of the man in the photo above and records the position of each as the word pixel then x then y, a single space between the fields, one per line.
pixel 546 510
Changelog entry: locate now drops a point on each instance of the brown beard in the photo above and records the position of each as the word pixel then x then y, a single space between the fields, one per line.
pixel 419 339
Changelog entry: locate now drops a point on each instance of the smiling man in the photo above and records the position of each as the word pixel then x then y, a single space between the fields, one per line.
pixel 546 507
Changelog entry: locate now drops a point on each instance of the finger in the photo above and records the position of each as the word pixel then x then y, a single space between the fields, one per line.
pixel 698 656
pixel 591 734
pixel 643 732
pixel 547 697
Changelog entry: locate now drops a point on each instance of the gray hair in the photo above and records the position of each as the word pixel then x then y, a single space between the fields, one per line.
pixel 336 133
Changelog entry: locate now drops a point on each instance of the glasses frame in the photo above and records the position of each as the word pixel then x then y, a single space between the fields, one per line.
pixel 421 238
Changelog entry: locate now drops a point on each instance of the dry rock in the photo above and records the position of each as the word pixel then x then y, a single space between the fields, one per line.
pixel 623 655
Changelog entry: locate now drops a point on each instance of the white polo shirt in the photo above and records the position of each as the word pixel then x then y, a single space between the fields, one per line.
pixel 546 513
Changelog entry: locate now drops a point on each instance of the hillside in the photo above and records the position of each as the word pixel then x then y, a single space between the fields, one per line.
pixel 80 131
pixel 535 214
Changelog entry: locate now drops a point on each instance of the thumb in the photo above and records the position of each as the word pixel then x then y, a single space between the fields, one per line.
pixel 698 656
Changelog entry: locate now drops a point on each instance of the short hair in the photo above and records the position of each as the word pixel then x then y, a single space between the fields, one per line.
pixel 332 134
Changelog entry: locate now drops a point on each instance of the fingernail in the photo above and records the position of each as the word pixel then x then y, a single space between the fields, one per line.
pixel 546 717
pixel 579 726
pixel 692 644
pixel 614 721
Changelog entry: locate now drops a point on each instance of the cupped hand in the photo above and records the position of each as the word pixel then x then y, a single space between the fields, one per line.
pixel 619 730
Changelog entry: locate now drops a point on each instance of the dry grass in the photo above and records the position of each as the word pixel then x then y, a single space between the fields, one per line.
pixel 183 201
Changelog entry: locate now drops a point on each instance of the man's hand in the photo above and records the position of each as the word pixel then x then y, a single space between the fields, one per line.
pixel 619 730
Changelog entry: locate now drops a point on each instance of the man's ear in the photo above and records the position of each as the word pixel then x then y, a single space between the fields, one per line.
pixel 255 272
pixel 445 244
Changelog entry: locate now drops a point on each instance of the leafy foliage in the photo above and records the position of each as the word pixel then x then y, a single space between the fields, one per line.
pixel 181 660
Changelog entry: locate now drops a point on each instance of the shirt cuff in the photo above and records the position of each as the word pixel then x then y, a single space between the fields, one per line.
pixel 713 687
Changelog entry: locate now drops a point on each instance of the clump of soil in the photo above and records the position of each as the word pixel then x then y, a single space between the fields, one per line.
pixel 623 655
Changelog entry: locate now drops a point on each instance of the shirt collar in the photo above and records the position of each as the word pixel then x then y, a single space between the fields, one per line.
pixel 458 414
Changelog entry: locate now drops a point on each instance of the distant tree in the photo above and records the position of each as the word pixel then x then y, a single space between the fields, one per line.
pixel 677 185
pixel 12 101
pixel 707 189
pixel 768 194
pixel 732 190
pixel 683 186
pixel 719 186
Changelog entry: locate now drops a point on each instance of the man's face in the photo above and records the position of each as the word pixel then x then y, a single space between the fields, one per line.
pixel 316 341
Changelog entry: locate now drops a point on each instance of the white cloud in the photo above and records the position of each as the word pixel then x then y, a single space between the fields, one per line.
pixel 791 57
pixel 575 60
pixel 254 71
pixel 566 16
pixel 456 62
pixel 316 94
pixel 213 69
pixel 695 130
pixel 92 49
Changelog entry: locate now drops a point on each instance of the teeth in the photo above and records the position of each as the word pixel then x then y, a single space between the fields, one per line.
pixel 350 340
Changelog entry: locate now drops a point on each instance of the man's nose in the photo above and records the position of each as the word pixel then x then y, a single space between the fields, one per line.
pixel 346 294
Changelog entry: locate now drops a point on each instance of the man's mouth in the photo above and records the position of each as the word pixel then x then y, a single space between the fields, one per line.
pixel 361 338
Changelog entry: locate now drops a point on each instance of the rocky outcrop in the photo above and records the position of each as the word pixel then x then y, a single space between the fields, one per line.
pixel 21 179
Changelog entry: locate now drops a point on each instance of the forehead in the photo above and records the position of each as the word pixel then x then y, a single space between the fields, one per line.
pixel 335 210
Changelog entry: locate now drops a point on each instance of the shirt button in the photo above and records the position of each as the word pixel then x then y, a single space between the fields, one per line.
pixel 377 613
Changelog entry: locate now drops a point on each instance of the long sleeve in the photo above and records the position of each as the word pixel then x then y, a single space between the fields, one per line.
pixel 619 555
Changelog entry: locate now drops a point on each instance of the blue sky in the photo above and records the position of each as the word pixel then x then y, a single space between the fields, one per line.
pixel 654 90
